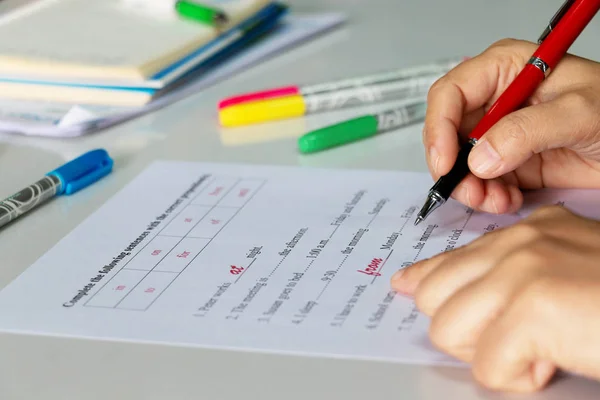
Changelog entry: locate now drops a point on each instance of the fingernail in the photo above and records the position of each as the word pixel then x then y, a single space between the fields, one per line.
pixel 434 157
pixel 405 287
pixel 484 158
pixel 397 275
pixel 542 372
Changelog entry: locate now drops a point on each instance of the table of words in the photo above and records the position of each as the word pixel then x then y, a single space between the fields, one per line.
pixel 150 272
pixel 272 266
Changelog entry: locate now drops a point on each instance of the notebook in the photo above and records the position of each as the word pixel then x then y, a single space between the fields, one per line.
pixel 125 93
pixel 129 40
pixel 53 119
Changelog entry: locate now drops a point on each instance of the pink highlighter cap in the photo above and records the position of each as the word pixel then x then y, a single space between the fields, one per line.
pixel 263 95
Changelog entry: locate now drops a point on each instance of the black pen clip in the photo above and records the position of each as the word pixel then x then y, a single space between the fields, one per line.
pixel 555 19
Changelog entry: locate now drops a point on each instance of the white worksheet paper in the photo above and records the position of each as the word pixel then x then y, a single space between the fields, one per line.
pixel 256 258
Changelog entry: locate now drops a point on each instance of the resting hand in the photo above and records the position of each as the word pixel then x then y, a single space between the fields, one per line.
pixel 517 303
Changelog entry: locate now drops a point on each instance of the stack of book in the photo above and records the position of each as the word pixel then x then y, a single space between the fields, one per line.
pixel 118 52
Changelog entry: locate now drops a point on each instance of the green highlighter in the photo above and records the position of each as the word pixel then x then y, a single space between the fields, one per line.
pixel 201 13
pixel 362 128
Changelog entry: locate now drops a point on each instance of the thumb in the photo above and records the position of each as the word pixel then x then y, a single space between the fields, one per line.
pixel 566 121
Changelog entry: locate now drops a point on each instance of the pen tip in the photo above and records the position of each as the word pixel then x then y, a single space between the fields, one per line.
pixel 433 201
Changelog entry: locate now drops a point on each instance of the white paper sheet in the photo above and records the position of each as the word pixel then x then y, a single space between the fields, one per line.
pixel 70 120
pixel 256 258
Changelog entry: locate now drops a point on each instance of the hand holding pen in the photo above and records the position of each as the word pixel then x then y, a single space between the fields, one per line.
pixel 553 142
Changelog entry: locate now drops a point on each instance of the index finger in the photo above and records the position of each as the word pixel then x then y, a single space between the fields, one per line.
pixel 468 87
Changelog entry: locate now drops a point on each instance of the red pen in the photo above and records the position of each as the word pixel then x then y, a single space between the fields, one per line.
pixel 564 28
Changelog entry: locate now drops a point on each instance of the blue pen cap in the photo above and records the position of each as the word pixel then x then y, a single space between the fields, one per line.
pixel 83 171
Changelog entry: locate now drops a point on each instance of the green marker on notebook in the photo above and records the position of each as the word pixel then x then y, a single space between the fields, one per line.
pixel 361 128
pixel 201 13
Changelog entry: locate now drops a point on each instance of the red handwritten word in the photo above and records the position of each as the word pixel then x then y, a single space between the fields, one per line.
pixel 185 254
pixel 373 267
pixel 150 290
pixel 216 191
pixel 120 287
pixel 188 220
pixel 215 221
pixel 156 252
pixel 235 270
pixel 243 192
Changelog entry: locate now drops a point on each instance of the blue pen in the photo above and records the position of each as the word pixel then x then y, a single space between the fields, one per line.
pixel 67 179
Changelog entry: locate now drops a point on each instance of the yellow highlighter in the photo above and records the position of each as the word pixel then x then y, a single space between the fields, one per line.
pixel 261 111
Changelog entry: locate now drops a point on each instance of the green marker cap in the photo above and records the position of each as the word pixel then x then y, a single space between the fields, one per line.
pixel 201 13
pixel 339 134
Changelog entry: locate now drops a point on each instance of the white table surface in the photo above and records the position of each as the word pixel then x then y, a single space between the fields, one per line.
pixel 379 34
